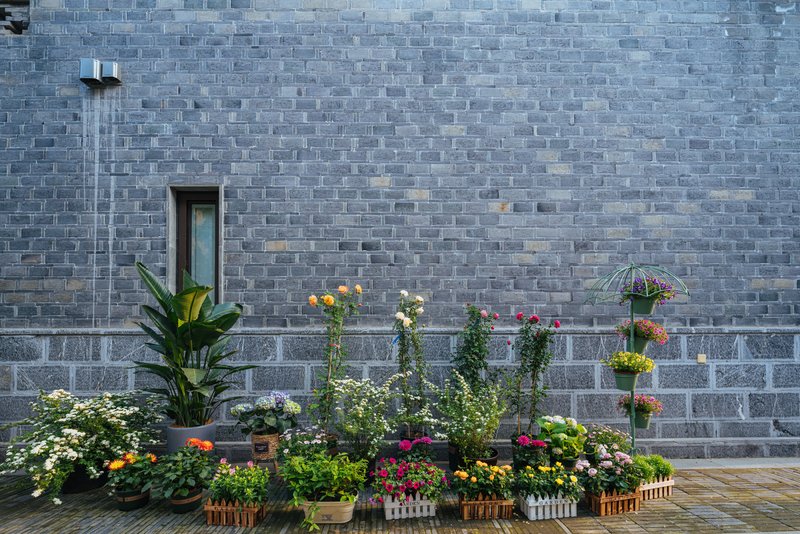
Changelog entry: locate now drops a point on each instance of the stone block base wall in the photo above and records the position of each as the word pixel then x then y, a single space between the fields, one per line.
pixel 743 402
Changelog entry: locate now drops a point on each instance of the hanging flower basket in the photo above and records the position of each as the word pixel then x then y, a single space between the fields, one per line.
pixel 224 513
pixel 642 420
pixel 613 503
pixel 556 507
pixel 644 305
pixel 264 446
pixel 414 506
pixel 625 381
pixel 661 487
pixel 486 507
pixel 639 344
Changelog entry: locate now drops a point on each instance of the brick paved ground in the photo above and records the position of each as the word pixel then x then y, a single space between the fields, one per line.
pixel 720 500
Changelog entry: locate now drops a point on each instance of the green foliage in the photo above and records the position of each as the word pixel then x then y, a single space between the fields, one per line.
pixel 602 439
pixel 247 486
pixel 548 482
pixel 187 469
pixel 132 472
pixel 414 410
pixel 273 413
pixel 322 478
pixel 565 436
pixel 189 335
pixel 304 442
pixel 472 354
pixel 643 464
pixel 661 467
pixel 533 347
pixel 482 479
pixel 629 362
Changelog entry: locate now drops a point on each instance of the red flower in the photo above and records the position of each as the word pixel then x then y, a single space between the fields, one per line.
pixel 508 342
pixel 383 473
pixel 520 315
pixel 557 323
pixel 405 445
pixel 392 461
pixel 533 319
pixel 492 327
pixel 496 316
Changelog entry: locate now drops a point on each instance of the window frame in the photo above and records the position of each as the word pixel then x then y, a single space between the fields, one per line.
pixel 183 201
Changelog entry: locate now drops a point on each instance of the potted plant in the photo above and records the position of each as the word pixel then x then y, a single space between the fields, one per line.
pixel 183 474
pixel 68 440
pixel 408 488
pixel 484 491
pixel 527 451
pixel 601 439
pixel 646 293
pixel 414 411
pixel 470 359
pixel 305 442
pixel 656 474
pixel 361 409
pixel 470 420
pixel 627 366
pixel 189 335
pixel 131 477
pixel 265 420
pixel 336 308
pixel 325 486
pixel 533 346
pixel 644 331
pixel 645 407
pixel 416 450
pixel 565 438
pixel 548 492
pixel 237 496
pixel 612 486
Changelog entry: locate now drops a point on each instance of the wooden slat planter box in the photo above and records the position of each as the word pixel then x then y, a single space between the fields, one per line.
pixel 658 489
pixel 225 514
pixel 550 508
pixel 415 506
pixel 614 503
pixel 486 507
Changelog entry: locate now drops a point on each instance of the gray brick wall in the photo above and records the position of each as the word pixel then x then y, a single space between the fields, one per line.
pixel 505 152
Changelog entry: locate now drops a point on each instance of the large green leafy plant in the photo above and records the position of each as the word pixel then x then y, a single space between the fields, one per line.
pixel 189 334
pixel 472 354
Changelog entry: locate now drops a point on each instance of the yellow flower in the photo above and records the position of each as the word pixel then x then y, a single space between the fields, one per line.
pixel 530 475
pixel 491 477
pixel 559 482
pixel 358 289
pixel 528 468
pixel 495 468
pixel 558 464
pixel 507 467
pixel 544 469
pixel 343 289
pixel 573 478
pixel 473 480
pixel 116 465
pixel 312 300
pixel 129 457
pixel 481 464
pixel 328 300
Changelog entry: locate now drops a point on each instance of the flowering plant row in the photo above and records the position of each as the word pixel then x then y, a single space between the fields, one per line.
pixel 629 362
pixel 644 404
pixel 544 482
pixel 645 329
pixel 482 479
pixel 234 484
pixel 400 480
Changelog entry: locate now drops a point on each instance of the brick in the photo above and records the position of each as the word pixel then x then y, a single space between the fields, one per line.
pixel 687 429
pixel 5 377
pixel 774 404
pixel 786 375
pixel 100 379
pixel 594 347
pixel 256 349
pixel 747 376
pixel 20 348
pixel 717 405
pixel 15 408
pixel 285 377
pixel 130 349
pixel 569 377
pixel 74 348
pixel 303 348
pixel 772 347
pixel 715 347
pixel 47 377
pixel 692 376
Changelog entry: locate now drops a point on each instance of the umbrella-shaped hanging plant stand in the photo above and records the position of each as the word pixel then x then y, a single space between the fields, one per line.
pixel 631 283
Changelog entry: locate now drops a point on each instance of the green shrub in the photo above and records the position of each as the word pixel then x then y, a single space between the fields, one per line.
pixel 643 463
pixel 661 467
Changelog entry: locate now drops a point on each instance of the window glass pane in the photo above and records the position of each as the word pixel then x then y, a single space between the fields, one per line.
pixel 203 244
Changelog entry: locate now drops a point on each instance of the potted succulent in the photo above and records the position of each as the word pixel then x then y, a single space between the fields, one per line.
pixel 644 331
pixel 416 450
pixel 646 293
pixel 325 486
pixel 527 451
pixel 237 496
pixel 656 474
pixel 470 420
pixel 414 411
pixel 305 442
pixel 485 491
pixel 265 420
pixel 131 476
pixel 189 334
pixel 601 439
pixel 627 366
pixel 548 492
pixel 565 438
pixel 183 474
pixel 612 486
pixel 645 407
pixel 471 357
pixel 408 488
pixel 68 440
pixel 336 307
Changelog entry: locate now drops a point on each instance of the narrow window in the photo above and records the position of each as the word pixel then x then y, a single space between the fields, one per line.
pixel 198 237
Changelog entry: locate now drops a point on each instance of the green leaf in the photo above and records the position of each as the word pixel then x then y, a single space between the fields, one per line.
pixel 188 303
pixel 156 288
pixel 193 375
pixel 189 282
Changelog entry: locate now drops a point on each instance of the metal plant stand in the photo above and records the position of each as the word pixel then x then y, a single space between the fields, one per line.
pixel 611 288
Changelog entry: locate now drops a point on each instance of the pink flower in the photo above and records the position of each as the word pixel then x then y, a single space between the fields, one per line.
pixel 533 319
pixel 484 314
pixel 538 443
pixel 523 441
pixel 223 460
pixel 496 316
pixel 250 463
pixel 383 473
pixel 557 323
pixel 520 315
pixel 392 461
pixel 492 327
pixel 405 445
pixel 592 471
pixel 606 464
pixel 508 342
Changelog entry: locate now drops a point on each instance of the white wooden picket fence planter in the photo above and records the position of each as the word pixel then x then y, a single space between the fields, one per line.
pixel 415 506
pixel 659 488
pixel 551 508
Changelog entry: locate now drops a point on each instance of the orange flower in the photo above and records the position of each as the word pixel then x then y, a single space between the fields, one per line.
pixel 116 465
pixel 152 457
pixel 205 446
pixel 473 480
pixel 193 442
pixel 343 289
pixel 358 289
pixel 328 300
pixel 129 457
pixel 313 300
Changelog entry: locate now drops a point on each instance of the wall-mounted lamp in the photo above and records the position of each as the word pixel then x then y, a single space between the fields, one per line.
pixel 96 74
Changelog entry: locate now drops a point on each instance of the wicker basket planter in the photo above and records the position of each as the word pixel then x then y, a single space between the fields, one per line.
pixel 612 503
pixel 550 508
pixel 233 514
pixel 264 446
pixel 661 487
pixel 486 507
pixel 415 506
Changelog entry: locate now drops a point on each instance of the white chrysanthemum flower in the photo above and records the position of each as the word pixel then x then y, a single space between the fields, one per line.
pixel 399 316
pixel 406 322
pixel 420 310
pixel 37 493
pixel 404 293
pixel 56 501
pixel 419 299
